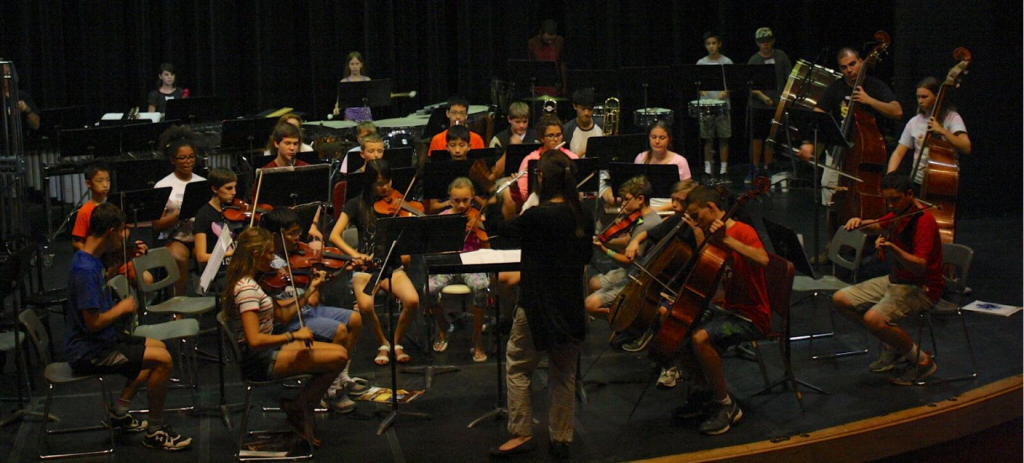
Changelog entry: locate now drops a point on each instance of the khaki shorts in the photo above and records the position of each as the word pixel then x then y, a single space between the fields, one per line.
pixel 893 301
pixel 716 127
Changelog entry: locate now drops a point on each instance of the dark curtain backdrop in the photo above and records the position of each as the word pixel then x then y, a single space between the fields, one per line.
pixel 260 55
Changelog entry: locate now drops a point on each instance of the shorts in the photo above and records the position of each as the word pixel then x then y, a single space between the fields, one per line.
pixel 716 127
pixel 893 301
pixel 124 358
pixel 478 282
pixel 612 283
pixel 726 330
pixel 322 320
pixel 258 364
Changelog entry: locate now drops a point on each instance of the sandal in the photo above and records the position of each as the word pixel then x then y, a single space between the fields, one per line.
pixel 382 355
pixel 472 352
pixel 401 357
pixel 441 345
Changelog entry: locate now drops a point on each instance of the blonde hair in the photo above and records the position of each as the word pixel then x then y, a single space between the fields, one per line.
pixel 251 245
pixel 518 110
pixel 462 182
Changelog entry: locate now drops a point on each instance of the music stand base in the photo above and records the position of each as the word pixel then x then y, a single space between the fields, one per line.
pixel 20 415
pixel 497 413
pixel 429 371
pixel 389 420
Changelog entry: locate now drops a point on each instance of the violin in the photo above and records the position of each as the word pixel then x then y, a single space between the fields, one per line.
pixel 240 211
pixel 395 205
pixel 620 224
pixel 475 226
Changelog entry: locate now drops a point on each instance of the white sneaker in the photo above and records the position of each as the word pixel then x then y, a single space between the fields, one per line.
pixel 339 403
pixel 668 378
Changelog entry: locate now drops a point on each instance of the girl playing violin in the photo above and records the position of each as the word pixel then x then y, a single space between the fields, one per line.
pixel 266 355
pixel 460 193
pixel 210 218
pixel 359 212
pixel 328 324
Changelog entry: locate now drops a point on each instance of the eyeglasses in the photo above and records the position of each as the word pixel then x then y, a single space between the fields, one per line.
pixel 553 135
pixel 185 158
pixel 457 113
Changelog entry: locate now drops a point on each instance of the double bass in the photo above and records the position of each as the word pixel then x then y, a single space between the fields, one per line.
pixel 705 272
pixel 867 159
pixel 942 180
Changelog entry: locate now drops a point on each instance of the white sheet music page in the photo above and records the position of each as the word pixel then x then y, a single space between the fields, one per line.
pixel 210 272
pixel 491 256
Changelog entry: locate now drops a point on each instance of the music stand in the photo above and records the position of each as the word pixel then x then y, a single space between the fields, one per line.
pixel 542 73
pixel 825 130
pixel 311 157
pixel 647 78
pixel 195 109
pixel 98 142
pixel 137 174
pixel 143 136
pixel 145 205
pixel 355 161
pixel 398 158
pixel 245 135
pixel 290 186
pixel 514 155
pixel 196 194
pixel 787 245
pixel 371 93
pixel 661 176
pixel 437 175
pixel 584 168
pixel 616 148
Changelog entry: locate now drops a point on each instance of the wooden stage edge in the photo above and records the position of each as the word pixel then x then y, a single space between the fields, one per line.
pixel 884 436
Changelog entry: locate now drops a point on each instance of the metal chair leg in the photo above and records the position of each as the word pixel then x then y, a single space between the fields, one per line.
pixel 242 428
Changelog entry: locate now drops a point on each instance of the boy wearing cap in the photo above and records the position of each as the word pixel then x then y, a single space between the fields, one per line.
pixel 766 99
pixel 583 127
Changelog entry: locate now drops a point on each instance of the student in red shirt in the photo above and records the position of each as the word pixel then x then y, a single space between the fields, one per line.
pixel 286 141
pixel 458 111
pixel 97 179
pixel 913 249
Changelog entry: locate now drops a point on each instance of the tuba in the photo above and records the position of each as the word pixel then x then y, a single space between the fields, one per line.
pixel 611 116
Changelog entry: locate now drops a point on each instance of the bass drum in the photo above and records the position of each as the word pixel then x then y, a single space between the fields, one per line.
pixel 802 92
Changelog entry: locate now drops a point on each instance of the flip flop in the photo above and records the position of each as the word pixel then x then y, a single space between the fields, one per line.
pixel 403 357
pixel 472 352
pixel 382 355
pixel 441 345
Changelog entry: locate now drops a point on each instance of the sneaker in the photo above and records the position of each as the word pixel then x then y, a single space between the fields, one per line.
pixel 356 387
pixel 166 439
pixel 640 343
pixel 914 373
pixel 668 378
pixel 126 423
pixel 887 361
pixel 340 403
pixel 721 419
pixel 695 405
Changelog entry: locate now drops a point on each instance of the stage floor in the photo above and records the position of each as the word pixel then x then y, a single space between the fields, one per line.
pixel 616 382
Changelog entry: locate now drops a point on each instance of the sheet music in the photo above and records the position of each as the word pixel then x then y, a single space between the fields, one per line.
pixel 491 256
pixel 210 272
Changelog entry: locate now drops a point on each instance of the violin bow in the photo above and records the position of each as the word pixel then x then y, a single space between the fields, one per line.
pixel 927 205
pixel 256 198
pixel 298 308
pixel 407 190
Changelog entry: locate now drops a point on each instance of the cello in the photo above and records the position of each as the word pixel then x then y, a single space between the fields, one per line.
pixel 867 159
pixel 942 179
pixel 705 272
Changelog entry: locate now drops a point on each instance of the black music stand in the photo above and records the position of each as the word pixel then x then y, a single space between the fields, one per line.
pixel 647 78
pixel 245 135
pixel 616 148
pixel 137 174
pixel 437 175
pixel 542 73
pixel 355 161
pixel 143 136
pixel 514 155
pixel 143 205
pixel 787 245
pixel 825 130
pixel 195 109
pixel 661 176
pixel 311 158
pixel 442 234
pixel 290 186
pixel 398 157
pixel 196 194
pixel 98 142
pixel 371 93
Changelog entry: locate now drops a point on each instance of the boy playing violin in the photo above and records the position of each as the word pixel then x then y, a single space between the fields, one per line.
pixel 911 244
pixel 328 324
pixel 460 193
pixel 634 193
